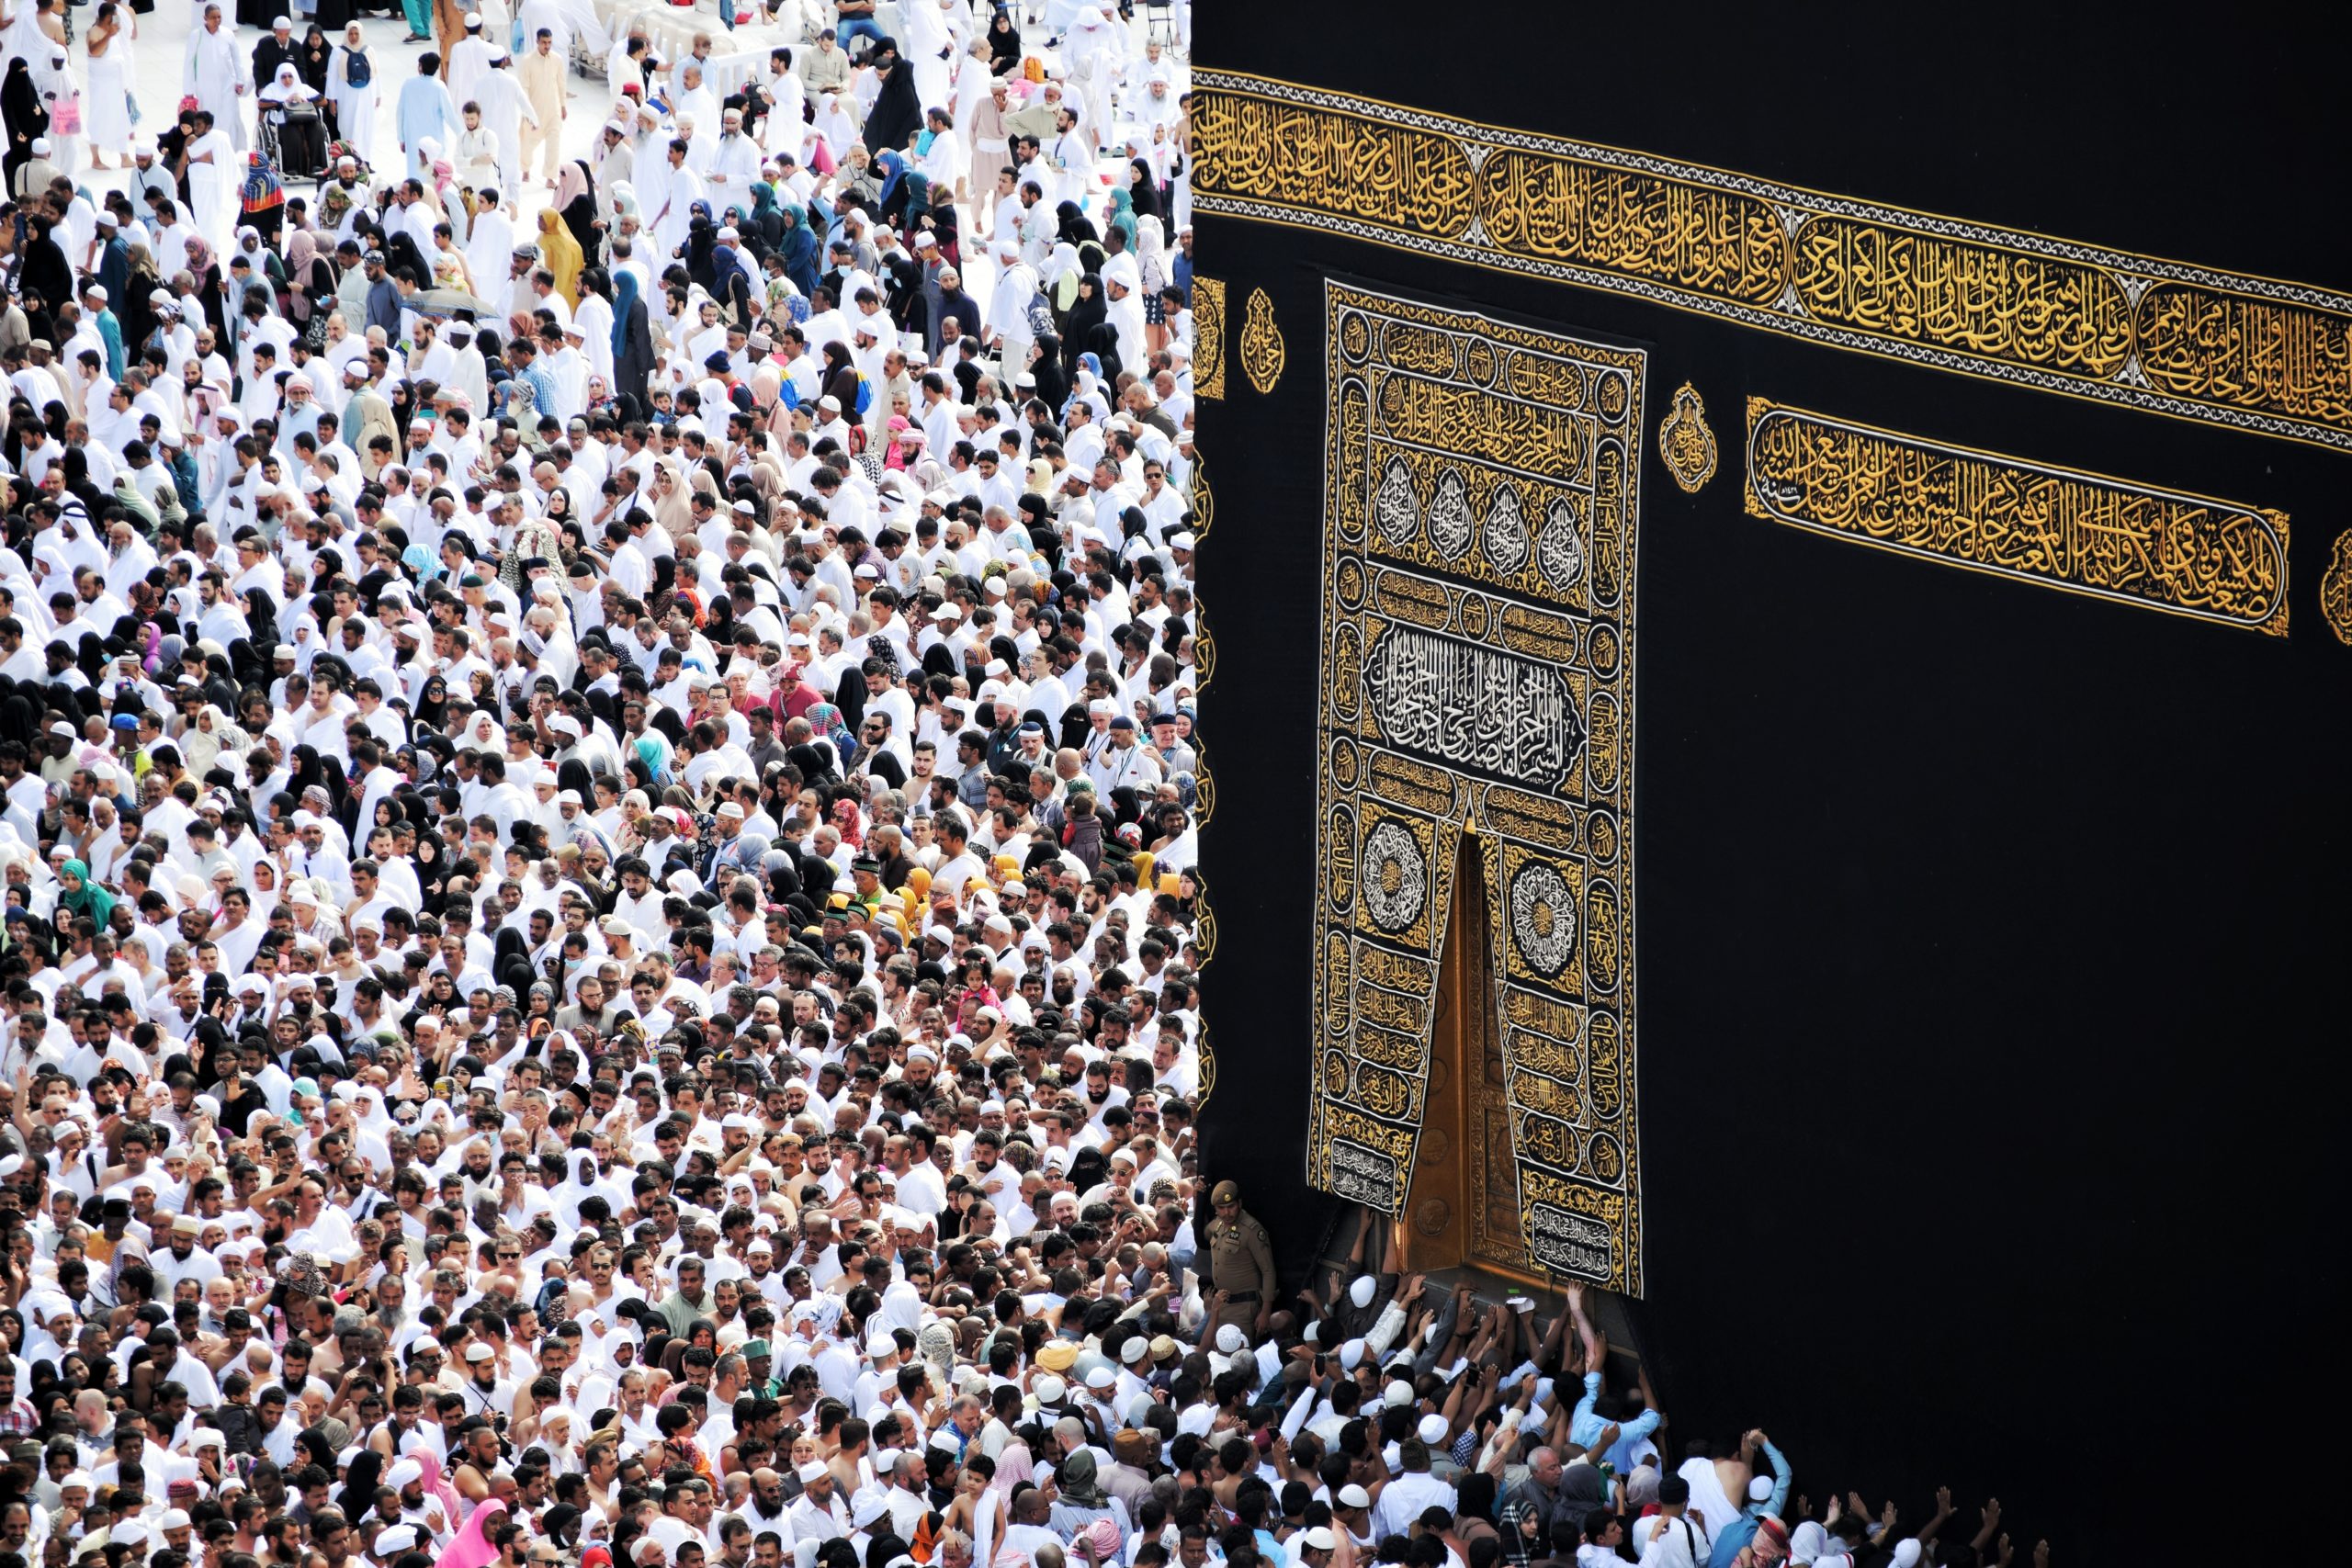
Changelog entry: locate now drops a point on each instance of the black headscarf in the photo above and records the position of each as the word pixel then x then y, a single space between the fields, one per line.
pixel 897 114
pixel 1087 312
pixel 1004 44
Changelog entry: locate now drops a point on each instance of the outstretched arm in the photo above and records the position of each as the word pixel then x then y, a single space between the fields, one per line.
pixel 1937 1519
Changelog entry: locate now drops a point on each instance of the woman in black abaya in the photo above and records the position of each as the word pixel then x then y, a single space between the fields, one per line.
pixel 27 118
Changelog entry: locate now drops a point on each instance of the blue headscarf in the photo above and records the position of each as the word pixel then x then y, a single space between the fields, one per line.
pixel 894 169
pixel 623 296
pixel 799 251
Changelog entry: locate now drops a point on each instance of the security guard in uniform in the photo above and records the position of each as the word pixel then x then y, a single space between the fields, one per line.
pixel 1241 1264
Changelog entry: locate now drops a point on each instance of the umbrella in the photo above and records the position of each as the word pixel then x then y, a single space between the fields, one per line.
pixel 441 302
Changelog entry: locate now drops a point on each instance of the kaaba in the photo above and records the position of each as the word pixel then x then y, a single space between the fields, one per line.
pixel 1777 622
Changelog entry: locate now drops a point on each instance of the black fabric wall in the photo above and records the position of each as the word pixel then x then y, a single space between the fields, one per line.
pixel 1991 943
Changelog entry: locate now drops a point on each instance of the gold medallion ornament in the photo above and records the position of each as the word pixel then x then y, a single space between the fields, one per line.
pixel 1685 442
pixel 1262 343
pixel 1208 336
pixel 2335 589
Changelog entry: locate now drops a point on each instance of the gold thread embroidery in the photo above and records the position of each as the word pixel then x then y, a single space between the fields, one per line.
pixel 1262 343
pixel 1480 505
pixel 1686 444
pixel 2187 555
pixel 2060 316
pixel 2335 589
pixel 1208 336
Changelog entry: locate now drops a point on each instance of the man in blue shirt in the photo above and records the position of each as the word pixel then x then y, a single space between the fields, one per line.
pixel 1589 1422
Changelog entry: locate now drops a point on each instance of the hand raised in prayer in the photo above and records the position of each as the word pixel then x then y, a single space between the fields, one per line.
pixel 2040 1554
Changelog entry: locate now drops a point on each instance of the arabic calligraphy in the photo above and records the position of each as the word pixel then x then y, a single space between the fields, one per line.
pixel 1982 298
pixel 1262 343
pixel 1480 512
pixel 2189 555
pixel 1208 336
pixel 2335 589
pixel 1510 432
pixel 1686 443
pixel 1675 231
pixel 2255 354
pixel 2056 315
pixel 1353 165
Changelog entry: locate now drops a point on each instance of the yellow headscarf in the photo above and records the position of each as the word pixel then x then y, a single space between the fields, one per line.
pixel 560 253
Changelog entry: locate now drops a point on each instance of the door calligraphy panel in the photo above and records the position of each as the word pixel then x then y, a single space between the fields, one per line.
pixel 1480 518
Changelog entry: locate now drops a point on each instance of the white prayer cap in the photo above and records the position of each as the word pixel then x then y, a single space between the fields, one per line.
pixel 1351 1354
pixel 1360 1290
pixel 1397 1393
pixel 281 24
pixel 813 1470
pixel 1231 1340
pixel 41 146
pixel 395 1541
pixel 1433 1428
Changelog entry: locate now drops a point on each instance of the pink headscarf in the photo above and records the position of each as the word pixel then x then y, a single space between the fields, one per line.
pixel 1014 1466
pixel 471 1549
pixel 437 1482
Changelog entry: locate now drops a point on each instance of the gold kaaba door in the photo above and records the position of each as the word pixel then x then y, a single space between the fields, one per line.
pixel 1463 1209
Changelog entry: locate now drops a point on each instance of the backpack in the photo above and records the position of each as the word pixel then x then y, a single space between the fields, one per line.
pixel 1041 316
pixel 865 393
pixel 357 69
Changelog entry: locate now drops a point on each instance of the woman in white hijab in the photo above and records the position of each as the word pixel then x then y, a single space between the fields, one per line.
pixel 833 123
pixel 579 1183
pixel 1062 273
pixel 60 93
pixel 301 138
pixel 355 106
pixel 207 736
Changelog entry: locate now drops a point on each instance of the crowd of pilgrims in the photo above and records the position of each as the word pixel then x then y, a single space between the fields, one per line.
pixel 600 809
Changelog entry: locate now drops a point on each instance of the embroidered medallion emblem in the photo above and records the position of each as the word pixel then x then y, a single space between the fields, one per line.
pixel 1685 445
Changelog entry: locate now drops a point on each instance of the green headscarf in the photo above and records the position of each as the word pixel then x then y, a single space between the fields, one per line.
pixel 92 900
